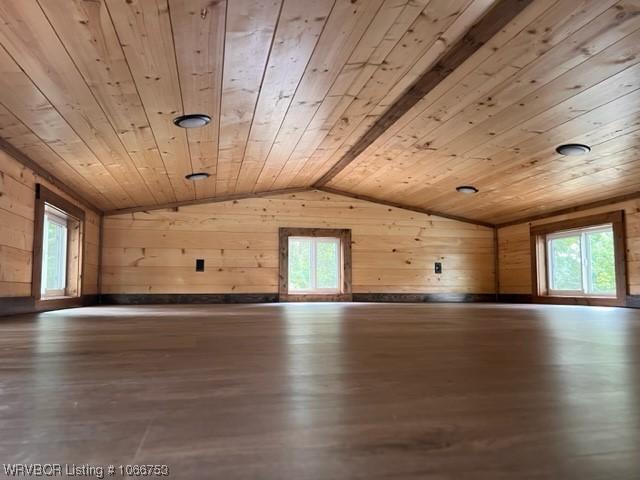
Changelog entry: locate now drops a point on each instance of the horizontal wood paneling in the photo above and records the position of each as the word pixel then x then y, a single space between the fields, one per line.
pixel 515 250
pixel 393 249
pixel 17 200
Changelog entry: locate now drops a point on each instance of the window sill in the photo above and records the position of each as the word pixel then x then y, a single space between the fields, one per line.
pixel 57 297
pixel 58 302
pixel 316 297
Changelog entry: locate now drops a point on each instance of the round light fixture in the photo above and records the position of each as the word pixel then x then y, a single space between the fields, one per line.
pixel 573 149
pixel 193 120
pixel 197 176
pixel 468 189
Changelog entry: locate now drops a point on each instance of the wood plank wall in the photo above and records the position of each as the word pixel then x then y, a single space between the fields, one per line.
pixel 394 250
pixel 17 201
pixel 515 251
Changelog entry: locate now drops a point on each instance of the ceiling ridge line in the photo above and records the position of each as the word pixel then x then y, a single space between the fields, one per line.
pixel 352 96
pixel 478 35
pixel 427 49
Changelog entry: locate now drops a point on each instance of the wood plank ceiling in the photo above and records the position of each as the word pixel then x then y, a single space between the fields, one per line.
pixel 89 89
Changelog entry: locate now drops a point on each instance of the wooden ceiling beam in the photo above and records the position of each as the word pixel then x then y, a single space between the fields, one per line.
pixel 503 12
pixel 20 157
pixel 403 206
pixel 199 201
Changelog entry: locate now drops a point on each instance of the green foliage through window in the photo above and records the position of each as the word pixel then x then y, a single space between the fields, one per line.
pixel 566 263
pixel 583 261
pixel 603 271
pixel 299 264
pixel 314 264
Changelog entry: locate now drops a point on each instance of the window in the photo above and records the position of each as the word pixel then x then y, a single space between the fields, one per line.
pixel 582 262
pixel 54 253
pixel 314 265
pixel 57 264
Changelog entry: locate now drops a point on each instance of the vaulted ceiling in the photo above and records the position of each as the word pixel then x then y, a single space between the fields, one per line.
pixel 89 89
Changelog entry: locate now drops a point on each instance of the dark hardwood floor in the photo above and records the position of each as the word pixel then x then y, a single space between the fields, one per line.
pixel 327 391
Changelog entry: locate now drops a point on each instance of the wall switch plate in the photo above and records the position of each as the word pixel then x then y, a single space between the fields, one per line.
pixel 438 267
pixel 200 265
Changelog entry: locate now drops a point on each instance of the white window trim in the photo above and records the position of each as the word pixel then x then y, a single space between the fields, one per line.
pixel 51 215
pixel 585 270
pixel 314 290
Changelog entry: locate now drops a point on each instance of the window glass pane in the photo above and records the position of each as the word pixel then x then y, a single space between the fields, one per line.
pixel 566 263
pixel 327 263
pixel 54 256
pixel 602 261
pixel 300 264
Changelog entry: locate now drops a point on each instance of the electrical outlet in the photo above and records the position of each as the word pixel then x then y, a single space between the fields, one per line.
pixel 438 267
pixel 200 265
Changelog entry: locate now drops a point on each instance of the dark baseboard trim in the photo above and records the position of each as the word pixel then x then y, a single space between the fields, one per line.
pixel 633 301
pixel 168 298
pixel 18 305
pixel 185 298
pixel 514 298
pixel 424 297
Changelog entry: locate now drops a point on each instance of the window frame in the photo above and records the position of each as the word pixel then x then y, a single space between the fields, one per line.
pixel 73 286
pixel 344 292
pixel 586 280
pixel 540 271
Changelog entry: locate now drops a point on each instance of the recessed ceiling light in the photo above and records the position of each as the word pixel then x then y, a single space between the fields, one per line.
pixel 193 120
pixel 573 149
pixel 197 176
pixel 468 189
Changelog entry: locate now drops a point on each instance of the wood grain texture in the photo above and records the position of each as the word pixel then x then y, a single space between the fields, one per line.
pixel 88 35
pixel 479 34
pixel 515 255
pixel 201 201
pixel 393 249
pixel 145 32
pixel 112 75
pixel 199 36
pixel 17 214
pixel 403 206
pixel 29 37
pixel 495 121
pixel 417 96
pixel 327 391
